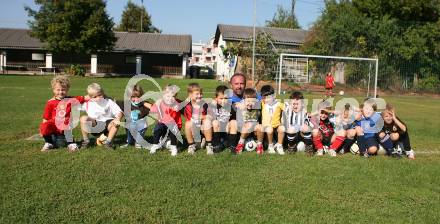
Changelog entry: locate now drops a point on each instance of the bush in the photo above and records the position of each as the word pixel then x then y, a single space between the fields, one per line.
pixel 429 84
pixel 76 70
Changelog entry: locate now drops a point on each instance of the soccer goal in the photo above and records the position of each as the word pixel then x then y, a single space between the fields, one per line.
pixel 357 74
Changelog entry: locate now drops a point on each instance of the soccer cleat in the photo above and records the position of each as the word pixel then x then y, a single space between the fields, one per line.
pixel 154 148
pixel 320 152
pixel 192 149
pixel 342 151
pixel 309 150
pixel 46 147
pixel 173 150
pixel 271 149
pixel 108 144
pixel 137 145
pixel 279 149
pixel 85 144
pixel 72 147
pixel 365 155
pixel 260 149
pixel 124 146
pixel 332 152
pixel 291 147
pixel 209 150
pixel 239 148
pixel 100 141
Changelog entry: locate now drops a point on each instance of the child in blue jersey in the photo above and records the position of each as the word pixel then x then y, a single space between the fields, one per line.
pixel 367 127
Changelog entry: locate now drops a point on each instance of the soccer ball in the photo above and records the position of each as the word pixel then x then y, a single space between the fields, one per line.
pixel 381 151
pixel 354 149
pixel 250 145
pixel 301 147
pixel 101 139
pixel 341 92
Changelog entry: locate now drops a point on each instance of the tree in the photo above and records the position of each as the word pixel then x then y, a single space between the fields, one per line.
pixel 265 61
pixel 404 35
pixel 284 18
pixel 79 26
pixel 131 19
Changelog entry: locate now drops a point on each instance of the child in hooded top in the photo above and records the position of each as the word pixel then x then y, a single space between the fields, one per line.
pixel 367 127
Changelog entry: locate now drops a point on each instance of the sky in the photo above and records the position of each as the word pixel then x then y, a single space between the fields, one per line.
pixel 198 18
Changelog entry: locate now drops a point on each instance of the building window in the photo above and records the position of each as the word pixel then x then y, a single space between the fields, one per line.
pixel 130 59
pixel 197 59
pixel 37 57
pixel 208 59
pixel 208 50
pixel 213 58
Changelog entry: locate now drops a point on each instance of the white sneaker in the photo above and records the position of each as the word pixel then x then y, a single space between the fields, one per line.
pixel 279 149
pixel 203 143
pixel 124 146
pixel 137 145
pixel 209 150
pixel 168 145
pixel 192 149
pixel 411 154
pixel 320 152
pixel 154 148
pixel 332 153
pixel 47 147
pixel 173 150
pixel 271 149
pixel 326 149
pixel 72 147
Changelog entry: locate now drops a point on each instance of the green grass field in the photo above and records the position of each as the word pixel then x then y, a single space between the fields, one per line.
pixel 132 186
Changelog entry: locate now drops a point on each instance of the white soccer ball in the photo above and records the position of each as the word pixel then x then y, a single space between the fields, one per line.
pixel 354 149
pixel 341 92
pixel 301 147
pixel 250 145
pixel 381 151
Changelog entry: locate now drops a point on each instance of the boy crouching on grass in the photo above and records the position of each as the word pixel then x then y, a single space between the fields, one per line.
pixel 219 117
pixel 271 111
pixel 169 119
pixel 102 119
pixel 56 115
pixel 195 125
pixel 249 118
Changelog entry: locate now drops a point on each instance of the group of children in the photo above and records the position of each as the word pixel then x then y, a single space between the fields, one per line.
pixel 220 123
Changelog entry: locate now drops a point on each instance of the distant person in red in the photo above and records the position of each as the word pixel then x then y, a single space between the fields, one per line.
pixel 329 84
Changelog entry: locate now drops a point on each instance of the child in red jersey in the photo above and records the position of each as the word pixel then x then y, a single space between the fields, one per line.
pixel 195 113
pixel 56 117
pixel 329 84
pixel 169 119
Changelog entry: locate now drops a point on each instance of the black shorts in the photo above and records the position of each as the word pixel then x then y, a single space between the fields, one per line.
pixel 105 131
pixel 370 142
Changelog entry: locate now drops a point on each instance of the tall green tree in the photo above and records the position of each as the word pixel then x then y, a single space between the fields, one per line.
pixel 80 26
pixel 404 35
pixel 131 19
pixel 284 18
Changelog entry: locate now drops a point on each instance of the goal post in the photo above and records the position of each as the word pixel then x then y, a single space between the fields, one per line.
pixel 289 65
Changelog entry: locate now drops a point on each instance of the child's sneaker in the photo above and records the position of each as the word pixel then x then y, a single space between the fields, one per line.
pixel 209 150
pixel 203 143
pixel 260 149
pixel 239 148
pixel 309 150
pixel 100 141
pixel 168 145
pixel 46 147
pixel 108 144
pixel 154 148
pixel 320 152
pixel 279 149
pixel 124 146
pixel 137 145
pixel 72 147
pixel 411 154
pixel 192 149
pixel 271 149
pixel 173 150
pixel 291 147
pixel 85 144
pixel 332 152
pixel 365 155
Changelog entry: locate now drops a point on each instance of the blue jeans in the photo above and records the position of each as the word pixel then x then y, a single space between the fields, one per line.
pixel 130 139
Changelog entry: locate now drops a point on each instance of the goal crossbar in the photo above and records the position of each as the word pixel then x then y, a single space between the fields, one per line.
pixel 282 55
